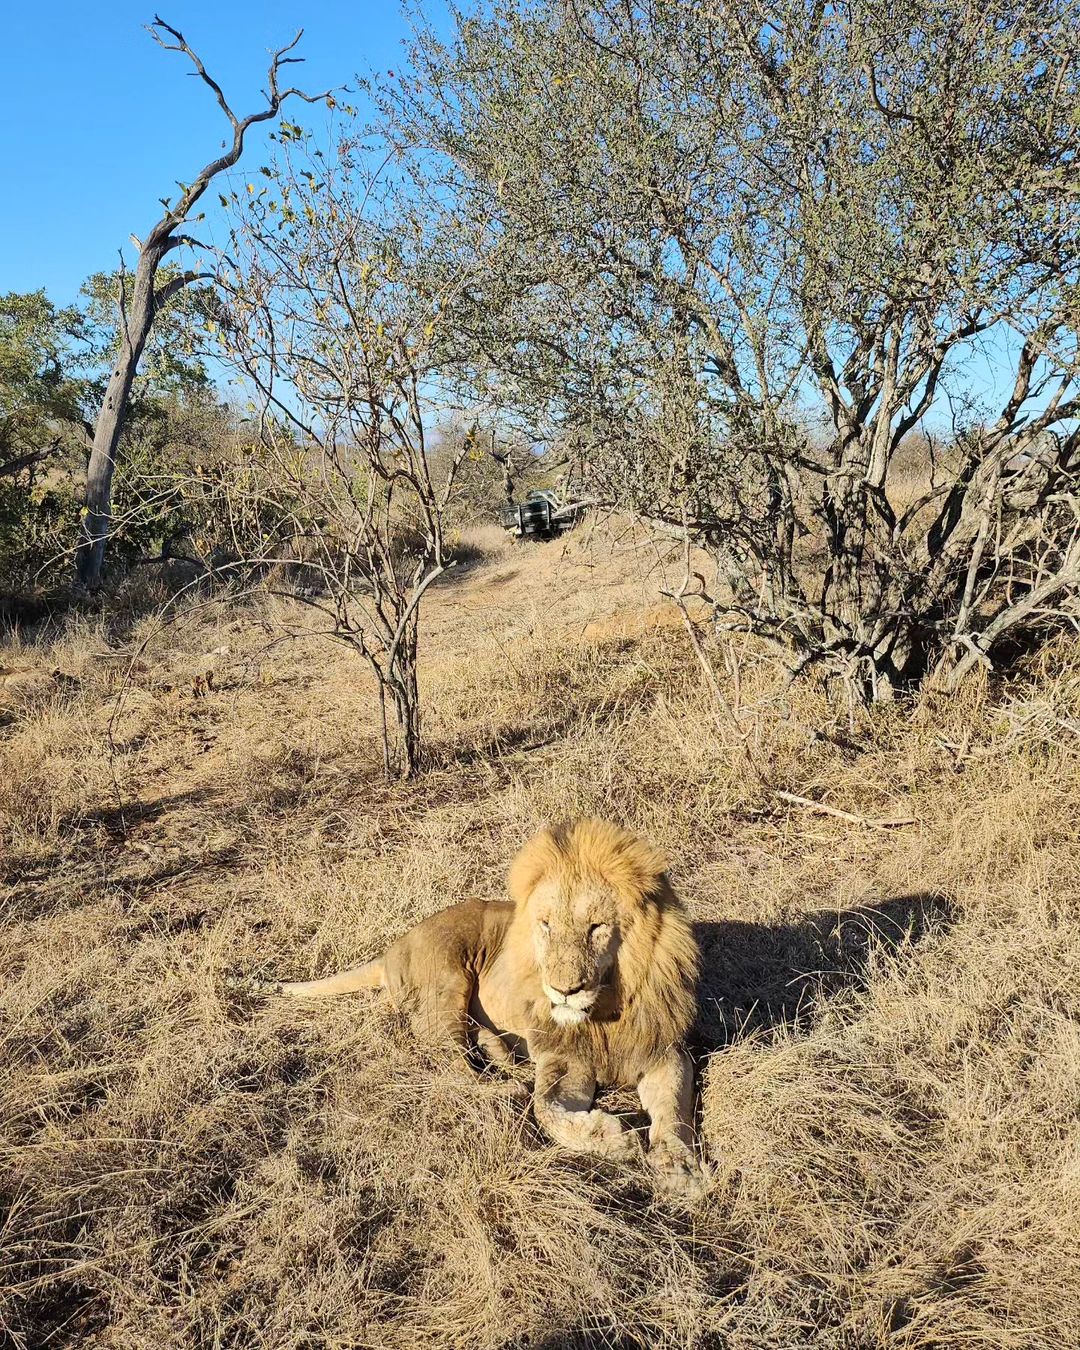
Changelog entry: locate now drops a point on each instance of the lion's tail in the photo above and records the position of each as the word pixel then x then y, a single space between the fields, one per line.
pixel 371 975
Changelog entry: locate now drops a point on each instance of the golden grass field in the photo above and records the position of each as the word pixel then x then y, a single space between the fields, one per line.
pixel 890 1040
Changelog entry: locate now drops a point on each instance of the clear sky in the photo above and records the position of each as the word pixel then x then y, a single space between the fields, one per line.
pixel 98 122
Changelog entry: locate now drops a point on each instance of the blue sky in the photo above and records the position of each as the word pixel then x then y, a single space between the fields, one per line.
pixel 99 122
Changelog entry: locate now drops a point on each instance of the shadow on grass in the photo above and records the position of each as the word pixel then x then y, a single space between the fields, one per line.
pixel 591 1337
pixel 757 977
pixel 582 1338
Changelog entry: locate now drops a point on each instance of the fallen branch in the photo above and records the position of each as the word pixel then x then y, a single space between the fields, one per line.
pixel 793 799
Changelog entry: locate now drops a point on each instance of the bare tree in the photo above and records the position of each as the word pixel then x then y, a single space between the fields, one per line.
pixel 140 295
pixel 340 326
pixel 746 253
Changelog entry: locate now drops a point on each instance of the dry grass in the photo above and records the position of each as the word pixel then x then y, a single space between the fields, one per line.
pixel 890 1021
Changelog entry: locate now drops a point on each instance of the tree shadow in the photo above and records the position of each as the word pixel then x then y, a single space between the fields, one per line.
pixel 45 884
pixel 531 734
pixel 759 977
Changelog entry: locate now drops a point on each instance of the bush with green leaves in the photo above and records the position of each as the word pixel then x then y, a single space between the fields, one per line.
pixel 737 257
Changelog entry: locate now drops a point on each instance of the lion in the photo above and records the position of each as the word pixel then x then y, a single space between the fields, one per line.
pixel 589 970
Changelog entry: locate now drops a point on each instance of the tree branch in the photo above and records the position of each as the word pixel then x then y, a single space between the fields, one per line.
pixel 175 284
pixel 10 467
pixel 160 235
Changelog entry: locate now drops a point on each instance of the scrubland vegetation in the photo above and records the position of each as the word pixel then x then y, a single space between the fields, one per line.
pixel 890 1031
pixel 790 299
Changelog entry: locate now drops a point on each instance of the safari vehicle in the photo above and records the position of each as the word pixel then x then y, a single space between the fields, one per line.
pixel 542 516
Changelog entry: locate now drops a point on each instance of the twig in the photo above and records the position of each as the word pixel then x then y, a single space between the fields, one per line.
pixel 794 799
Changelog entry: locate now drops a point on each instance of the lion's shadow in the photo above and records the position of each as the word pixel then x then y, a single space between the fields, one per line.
pixel 758 977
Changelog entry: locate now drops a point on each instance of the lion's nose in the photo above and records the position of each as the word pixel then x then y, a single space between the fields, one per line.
pixel 566 993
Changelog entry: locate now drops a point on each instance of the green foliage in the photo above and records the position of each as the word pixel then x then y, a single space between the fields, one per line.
pixel 43 402
pixel 172 361
pixel 189 487
pixel 36 529
pixel 53 363
pixel 708 228
pixel 41 398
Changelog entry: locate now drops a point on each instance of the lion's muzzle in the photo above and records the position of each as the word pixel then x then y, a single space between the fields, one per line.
pixel 570 1007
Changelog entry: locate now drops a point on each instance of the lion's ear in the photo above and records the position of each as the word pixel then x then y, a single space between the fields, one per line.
pixel 534 861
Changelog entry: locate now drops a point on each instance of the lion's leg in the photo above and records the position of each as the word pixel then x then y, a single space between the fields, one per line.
pixel 495 1049
pixel 496 1054
pixel 442 1016
pixel 442 1010
pixel 563 1102
pixel 667 1094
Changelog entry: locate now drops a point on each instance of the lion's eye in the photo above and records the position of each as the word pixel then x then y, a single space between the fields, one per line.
pixel 545 927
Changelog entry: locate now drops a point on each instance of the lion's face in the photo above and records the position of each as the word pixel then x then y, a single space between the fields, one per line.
pixel 594 905
pixel 576 931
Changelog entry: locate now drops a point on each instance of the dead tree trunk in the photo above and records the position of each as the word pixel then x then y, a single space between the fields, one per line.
pixel 137 317
pixel 136 321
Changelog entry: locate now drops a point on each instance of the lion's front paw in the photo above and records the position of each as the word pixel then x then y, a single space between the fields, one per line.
pixel 597 1132
pixel 606 1135
pixel 678 1170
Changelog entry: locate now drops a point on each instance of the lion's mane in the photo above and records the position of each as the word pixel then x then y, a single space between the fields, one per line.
pixel 657 963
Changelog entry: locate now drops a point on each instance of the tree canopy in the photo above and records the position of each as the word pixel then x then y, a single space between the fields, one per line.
pixel 740 256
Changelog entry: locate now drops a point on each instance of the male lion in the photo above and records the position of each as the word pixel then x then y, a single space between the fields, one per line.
pixel 591 970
